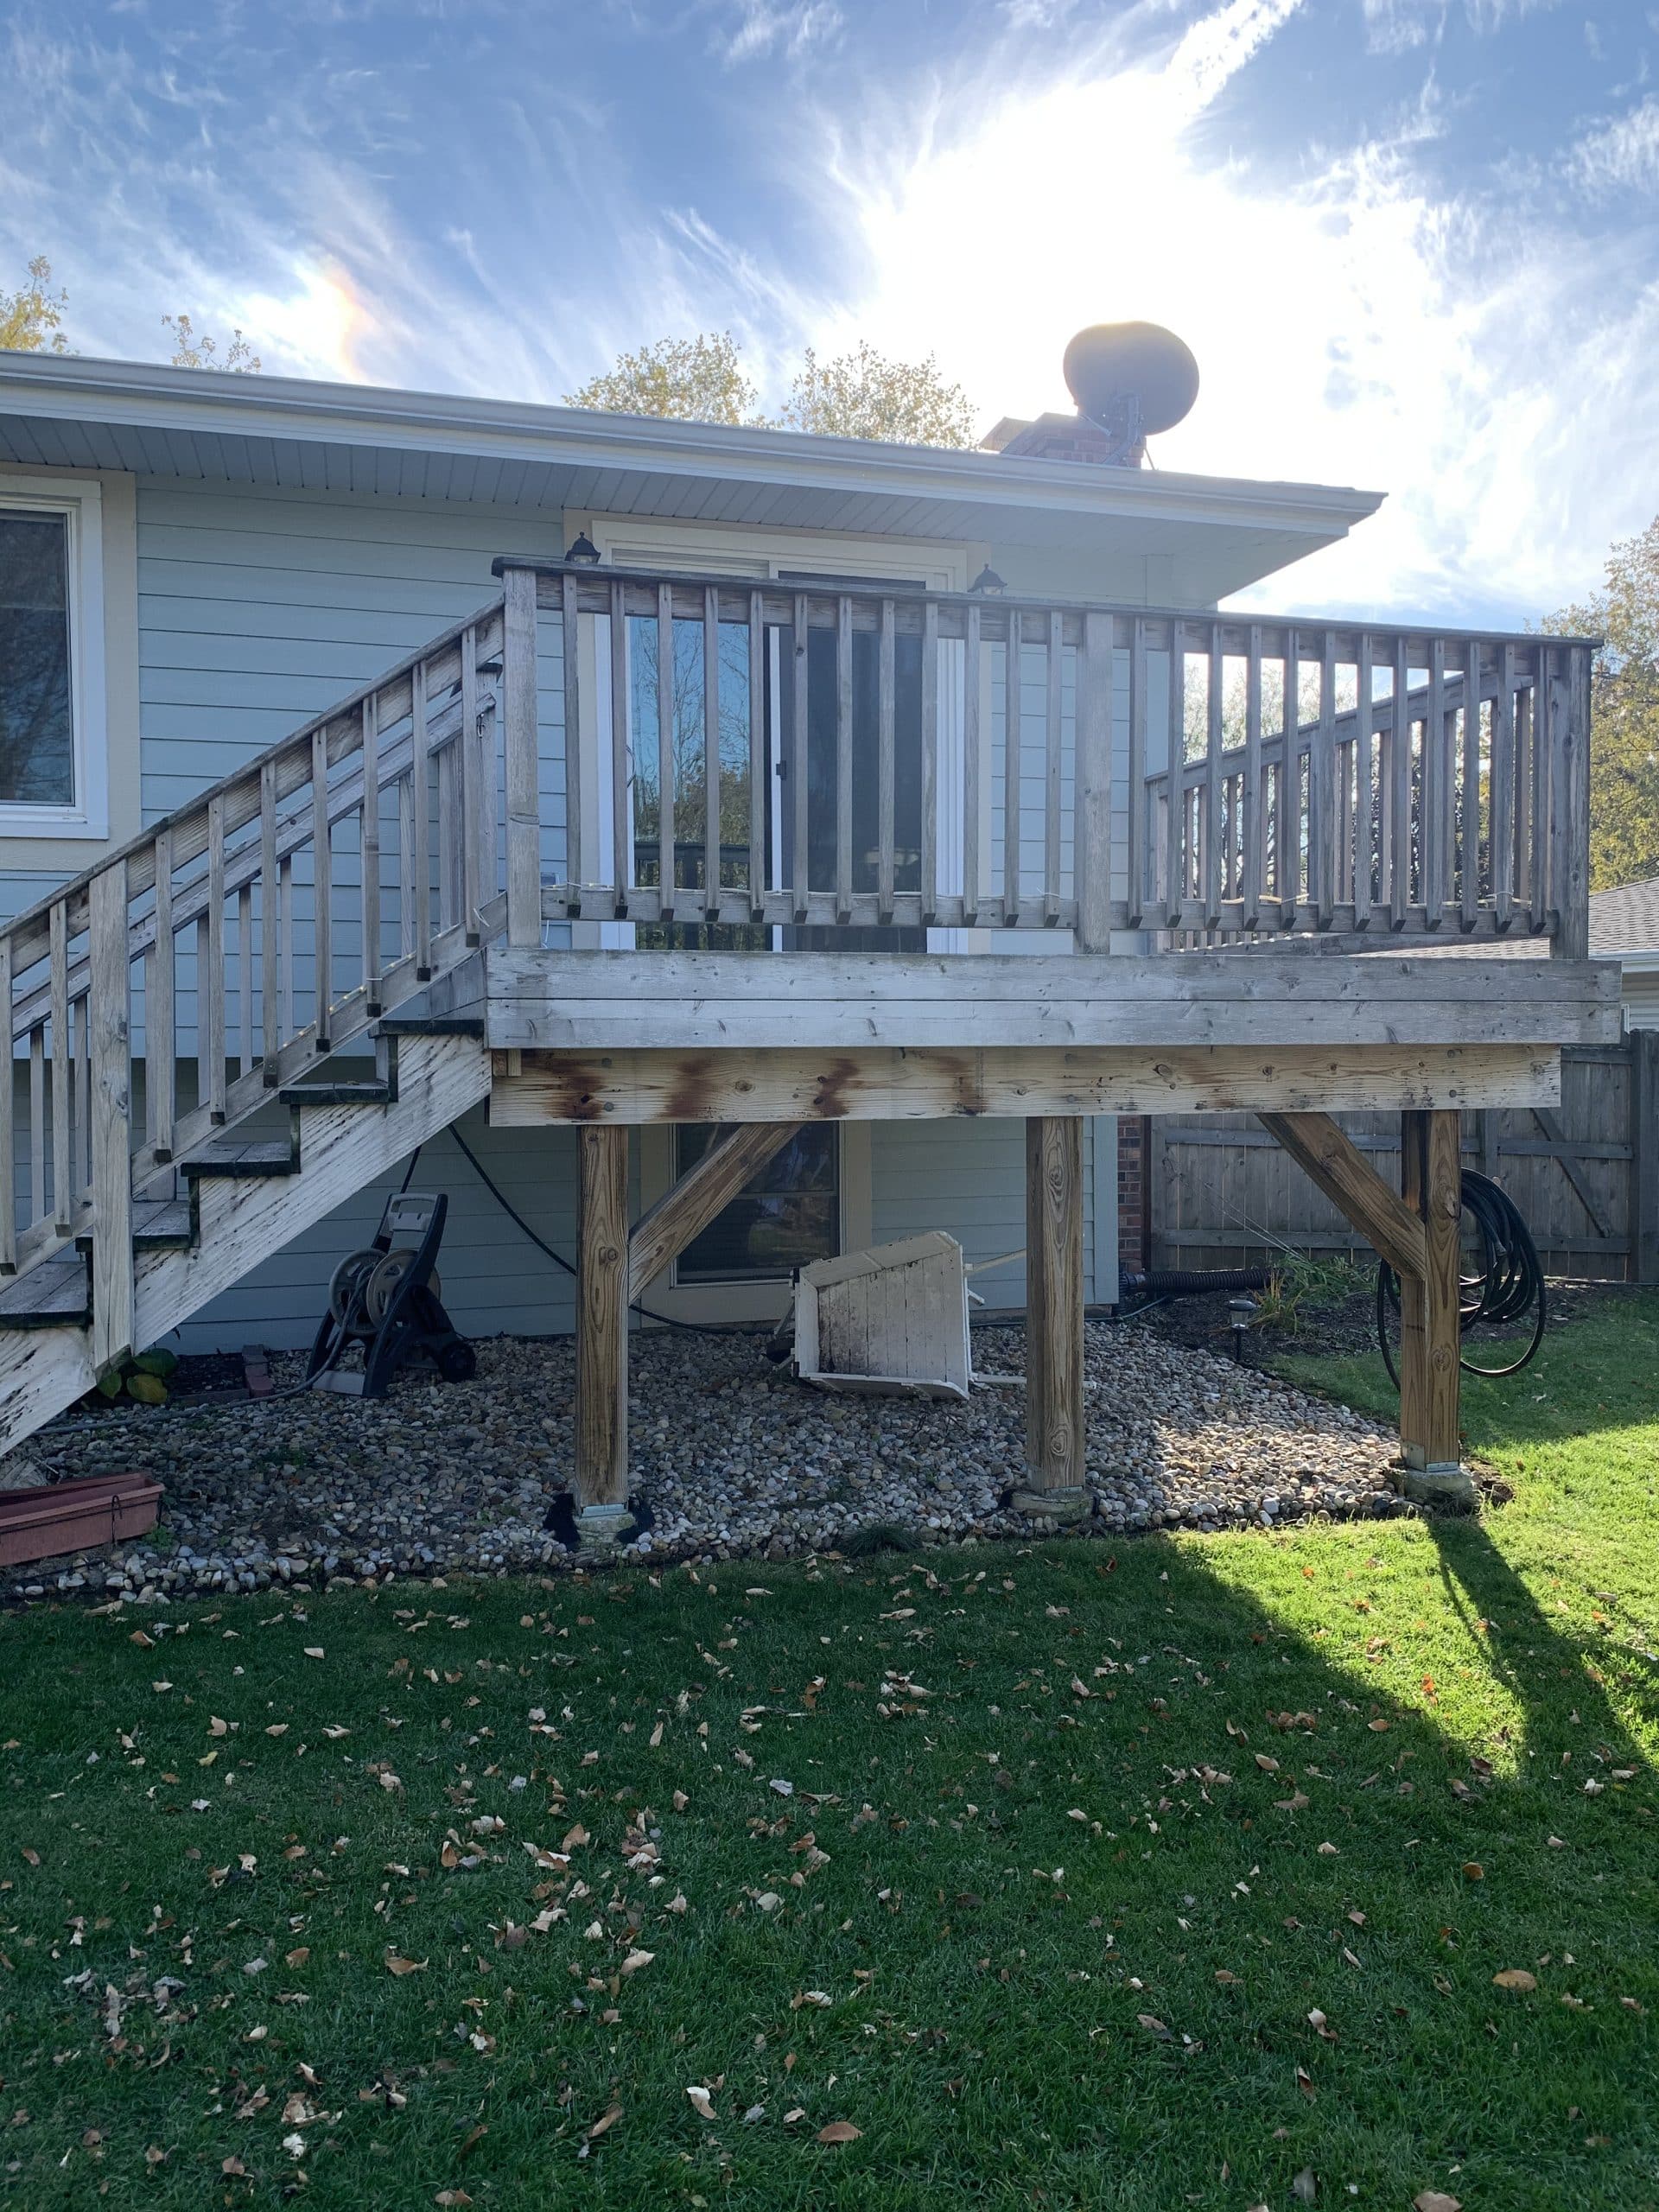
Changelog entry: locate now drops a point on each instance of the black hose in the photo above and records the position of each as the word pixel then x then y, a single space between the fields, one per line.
pixel 1509 1285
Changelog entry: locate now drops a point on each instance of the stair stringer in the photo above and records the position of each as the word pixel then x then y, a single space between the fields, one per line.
pixel 242 1220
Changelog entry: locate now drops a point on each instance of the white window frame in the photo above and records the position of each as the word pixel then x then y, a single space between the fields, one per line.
pixel 81 505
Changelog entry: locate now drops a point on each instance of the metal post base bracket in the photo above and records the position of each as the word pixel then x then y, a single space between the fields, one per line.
pixel 1067 1505
pixel 602 1528
pixel 1437 1485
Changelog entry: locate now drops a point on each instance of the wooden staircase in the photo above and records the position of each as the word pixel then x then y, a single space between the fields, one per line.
pixel 323 904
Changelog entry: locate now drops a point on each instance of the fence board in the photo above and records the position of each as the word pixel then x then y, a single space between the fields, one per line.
pixel 1220 1192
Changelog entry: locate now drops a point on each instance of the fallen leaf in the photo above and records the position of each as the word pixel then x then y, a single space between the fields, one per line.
pixel 606 2121
pixel 840 2131
pixel 313 1651
pixel 1473 1870
pixel 701 2103
pixel 1515 1978
pixel 1435 2200
pixel 635 1959
pixel 1306 2187
pixel 452 2196
pixel 1153 2026
pixel 400 1965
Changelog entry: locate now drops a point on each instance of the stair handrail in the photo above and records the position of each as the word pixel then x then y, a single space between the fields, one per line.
pixel 239 862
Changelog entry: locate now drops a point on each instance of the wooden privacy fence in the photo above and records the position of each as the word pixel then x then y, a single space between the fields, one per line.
pixel 1222 1194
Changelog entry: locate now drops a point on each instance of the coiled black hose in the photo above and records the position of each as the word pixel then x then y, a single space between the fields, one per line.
pixel 1509 1284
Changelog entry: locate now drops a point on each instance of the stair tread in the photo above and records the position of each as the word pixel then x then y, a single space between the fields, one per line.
pixel 243 1156
pixel 156 1222
pixel 58 1289
pixel 430 1025
pixel 335 1094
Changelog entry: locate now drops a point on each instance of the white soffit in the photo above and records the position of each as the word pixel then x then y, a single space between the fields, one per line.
pixel 1221 532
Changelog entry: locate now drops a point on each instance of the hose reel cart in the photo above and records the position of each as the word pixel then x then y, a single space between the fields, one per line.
pixel 385 1298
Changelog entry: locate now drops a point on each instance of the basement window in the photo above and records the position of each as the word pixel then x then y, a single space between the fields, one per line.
pixel 53 766
pixel 789 1215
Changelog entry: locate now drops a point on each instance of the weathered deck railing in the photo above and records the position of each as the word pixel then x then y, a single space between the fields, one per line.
pixel 835 755
pixel 262 926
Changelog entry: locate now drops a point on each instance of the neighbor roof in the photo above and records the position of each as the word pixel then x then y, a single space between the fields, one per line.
pixel 1625 920
pixel 1221 533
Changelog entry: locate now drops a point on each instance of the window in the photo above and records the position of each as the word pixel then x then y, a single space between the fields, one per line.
pixel 788 1215
pixel 53 764
pixel 37 733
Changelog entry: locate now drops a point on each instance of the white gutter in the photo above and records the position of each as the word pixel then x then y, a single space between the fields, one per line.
pixel 142 396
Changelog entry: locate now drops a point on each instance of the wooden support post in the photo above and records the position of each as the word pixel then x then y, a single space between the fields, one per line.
pixel 601 1459
pixel 112 1153
pixel 1054 1430
pixel 1431 1184
pixel 733 1160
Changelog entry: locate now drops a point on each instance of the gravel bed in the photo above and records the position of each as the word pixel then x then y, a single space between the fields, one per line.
pixel 730 1456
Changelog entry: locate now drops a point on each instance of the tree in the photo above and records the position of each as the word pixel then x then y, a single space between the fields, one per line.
pixel 194 349
pixel 864 395
pixel 860 394
pixel 30 317
pixel 692 379
pixel 1624 705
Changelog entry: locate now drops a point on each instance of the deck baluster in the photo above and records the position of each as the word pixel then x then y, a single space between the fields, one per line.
pixel 62 1201
pixel 160 1038
pixel 885 769
pixel 1013 747
pixel 711 753
pixel 973 766
pixel 1137 772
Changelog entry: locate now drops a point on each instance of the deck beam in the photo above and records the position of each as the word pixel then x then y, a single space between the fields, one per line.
pixel 892 1083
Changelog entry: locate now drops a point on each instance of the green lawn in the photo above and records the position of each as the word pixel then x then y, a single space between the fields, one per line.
pixel 1161 1875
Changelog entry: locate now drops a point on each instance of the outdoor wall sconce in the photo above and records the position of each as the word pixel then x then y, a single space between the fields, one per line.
pixel 582 553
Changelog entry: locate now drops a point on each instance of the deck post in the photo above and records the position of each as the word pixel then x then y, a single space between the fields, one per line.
pixel 518 746
pixel 601 1456
pixel 1432 1185
pixel 111 1100
pixel 1055 1457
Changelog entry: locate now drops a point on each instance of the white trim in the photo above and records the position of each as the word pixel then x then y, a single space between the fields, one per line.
pixel 81 505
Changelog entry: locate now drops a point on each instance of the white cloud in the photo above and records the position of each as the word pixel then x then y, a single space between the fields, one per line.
pixel 1351 325
pixel 1622 155
pixel 765 29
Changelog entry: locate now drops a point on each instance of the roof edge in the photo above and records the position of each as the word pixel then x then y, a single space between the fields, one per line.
pixel 147 395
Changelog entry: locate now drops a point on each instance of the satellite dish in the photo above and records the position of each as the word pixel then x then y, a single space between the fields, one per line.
pixel 1133 378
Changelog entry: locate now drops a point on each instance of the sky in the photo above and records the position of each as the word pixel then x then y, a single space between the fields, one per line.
pixel 1414 243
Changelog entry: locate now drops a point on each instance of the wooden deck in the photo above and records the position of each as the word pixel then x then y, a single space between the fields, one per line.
pixel 829 758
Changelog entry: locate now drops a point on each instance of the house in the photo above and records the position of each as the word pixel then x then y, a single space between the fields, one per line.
pixel 1625 926
pixel 358 751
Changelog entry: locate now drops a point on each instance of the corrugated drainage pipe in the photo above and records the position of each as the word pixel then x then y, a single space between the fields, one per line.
pixel 1183 1283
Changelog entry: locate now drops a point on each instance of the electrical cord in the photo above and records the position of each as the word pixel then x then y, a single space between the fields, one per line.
pixel 1509 1285
pixel 635 1304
